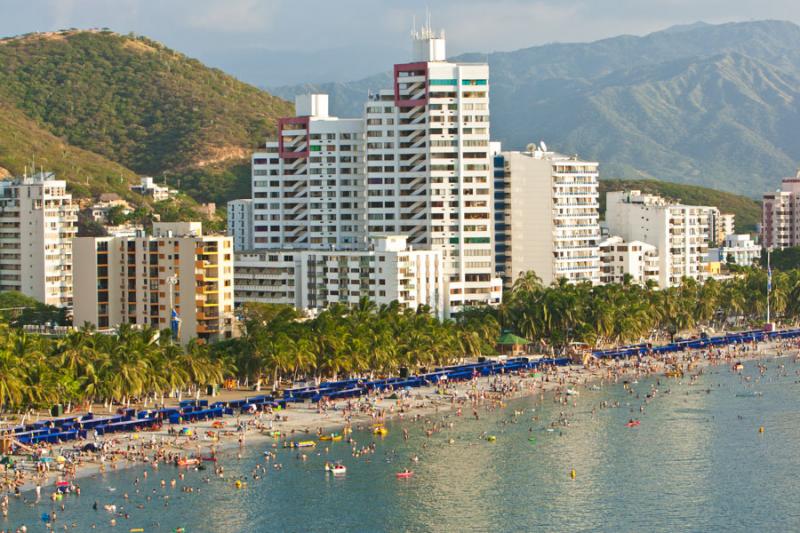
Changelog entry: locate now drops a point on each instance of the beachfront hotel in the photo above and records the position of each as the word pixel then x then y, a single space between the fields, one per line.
pixel 546 216
pixel 679 232
pixel 37 223
pixel 315 279
pixel 780 215
pixel 417 165
pixel 175 278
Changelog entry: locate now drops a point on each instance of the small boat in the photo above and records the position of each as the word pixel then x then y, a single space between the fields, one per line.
pixel 491 438
pixel 305 444
pixel 380 430
pixel 338 470
pixel 188 462
pixel 632 423
pixel 404 474
pixel 335 437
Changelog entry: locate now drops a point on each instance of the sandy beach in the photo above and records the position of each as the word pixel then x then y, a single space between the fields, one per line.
pixel 308 421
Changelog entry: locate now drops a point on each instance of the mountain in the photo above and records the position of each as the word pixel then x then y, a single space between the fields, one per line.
pixel 137 106
pixel 713 105
pixel 747 210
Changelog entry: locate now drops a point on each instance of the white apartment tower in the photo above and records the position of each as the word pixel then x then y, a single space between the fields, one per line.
pixel 417 165
pixel 428 167
pixel 780 215
pixel 240 223
pixel 37 223
pixel 308 185
pixel 679 232
pixel 546 214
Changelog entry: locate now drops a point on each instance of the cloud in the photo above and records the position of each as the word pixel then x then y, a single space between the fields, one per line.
pixel 233 15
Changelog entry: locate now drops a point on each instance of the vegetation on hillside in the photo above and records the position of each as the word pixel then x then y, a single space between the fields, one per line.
pixel 137 106
pixel 747 211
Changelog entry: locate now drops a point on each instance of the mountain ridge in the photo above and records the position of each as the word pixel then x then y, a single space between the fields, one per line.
pixel 713 105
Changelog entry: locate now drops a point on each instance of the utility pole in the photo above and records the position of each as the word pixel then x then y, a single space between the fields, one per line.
pixel 769 280
pixel 174 319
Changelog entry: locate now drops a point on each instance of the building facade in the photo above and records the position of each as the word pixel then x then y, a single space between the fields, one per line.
pixel 679 232
pixel 316 279
pixel 416 164
pixel 738 249
pixel 637 260
pixel 175 273
pixel 240 224
pixel 429 169
pixel 546 216
pixel 780 215
pixel 37 224
pixel 308 185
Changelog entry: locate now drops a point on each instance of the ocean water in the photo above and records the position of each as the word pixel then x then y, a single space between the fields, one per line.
pixel 697 462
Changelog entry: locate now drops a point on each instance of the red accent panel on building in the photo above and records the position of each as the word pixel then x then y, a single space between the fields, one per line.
pixel 410 67
pixel 293 120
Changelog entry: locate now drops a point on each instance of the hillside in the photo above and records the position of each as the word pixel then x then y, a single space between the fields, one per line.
pixel 747 211
pixel 711 105
pixel 136 103
pixel 22 141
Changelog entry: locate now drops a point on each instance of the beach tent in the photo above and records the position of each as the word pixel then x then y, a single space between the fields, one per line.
pixel 511 344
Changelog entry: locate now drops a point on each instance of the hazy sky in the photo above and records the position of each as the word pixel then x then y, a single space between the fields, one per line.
pixel 208 29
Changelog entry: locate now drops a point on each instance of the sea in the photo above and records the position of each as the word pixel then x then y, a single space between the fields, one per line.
pixel 717 453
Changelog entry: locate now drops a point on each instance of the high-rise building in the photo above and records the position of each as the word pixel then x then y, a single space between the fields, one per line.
pixel 428 166
pixel 417 165
pixel 37 223
pixel 315 279
pixel 679 232
pixel 240 223
pixel 308 185
pixel 175 278
pixel 780 215
pixel 546 216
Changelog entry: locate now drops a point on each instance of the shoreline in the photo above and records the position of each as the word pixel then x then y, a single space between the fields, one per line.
pixel 306 421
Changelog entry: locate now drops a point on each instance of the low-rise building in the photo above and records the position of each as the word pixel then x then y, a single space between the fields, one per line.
pixel 175 278
pixel 636 259
pixel 315 279
pixel 148 187
pixel 737 249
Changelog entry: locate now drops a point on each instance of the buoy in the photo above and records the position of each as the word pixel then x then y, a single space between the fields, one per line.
pixel 572 473
pixel 761 429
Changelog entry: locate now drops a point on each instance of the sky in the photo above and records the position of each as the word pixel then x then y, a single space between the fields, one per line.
pixel 316 40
